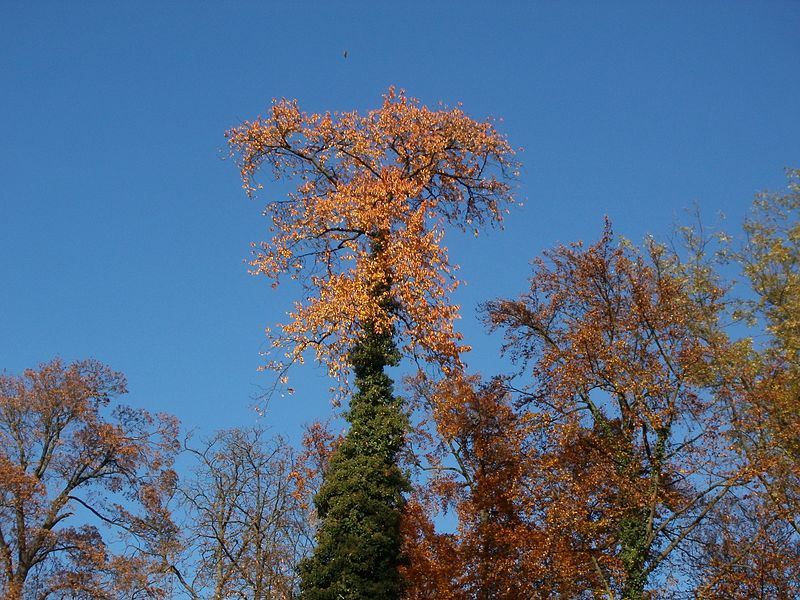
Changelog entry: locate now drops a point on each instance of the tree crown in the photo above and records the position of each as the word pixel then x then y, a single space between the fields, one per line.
pixel 363 231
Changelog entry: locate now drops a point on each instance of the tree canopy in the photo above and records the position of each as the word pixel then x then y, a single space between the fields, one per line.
pixel 395 176
pixel 62 455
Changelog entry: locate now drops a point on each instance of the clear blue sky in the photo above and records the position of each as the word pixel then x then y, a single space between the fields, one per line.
pixel 122 232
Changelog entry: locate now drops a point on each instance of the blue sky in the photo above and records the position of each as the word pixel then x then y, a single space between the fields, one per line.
pixel 123 232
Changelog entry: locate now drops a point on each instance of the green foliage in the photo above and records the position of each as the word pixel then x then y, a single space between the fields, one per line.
pixel 360 502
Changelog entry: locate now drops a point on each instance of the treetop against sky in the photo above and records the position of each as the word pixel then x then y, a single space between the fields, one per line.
pixel 363 230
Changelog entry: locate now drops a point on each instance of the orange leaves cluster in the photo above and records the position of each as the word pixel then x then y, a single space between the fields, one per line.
pixel 484 463
pixel 363 230
pixel 751 552
pixel 607 319
pixel 477 471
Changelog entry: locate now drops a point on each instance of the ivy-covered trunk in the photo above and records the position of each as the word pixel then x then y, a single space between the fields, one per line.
pixel 361 499
pixel 634 551
pixel 632 528
pixel 635 528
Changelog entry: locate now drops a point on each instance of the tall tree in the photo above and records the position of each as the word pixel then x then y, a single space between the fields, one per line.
pixel 758 547
pixel 630 443
pixel 395 176
pixel 74 479
pixel 245 523
pixel 363 232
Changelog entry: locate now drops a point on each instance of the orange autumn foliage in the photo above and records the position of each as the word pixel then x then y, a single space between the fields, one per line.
pixel 481 464
pixel 489 555
pixel 751 552
pixel 363 231
pixel 606 465
pixel 634 452
pixel 73 478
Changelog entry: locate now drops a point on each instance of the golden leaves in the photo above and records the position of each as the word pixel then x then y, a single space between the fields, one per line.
pixel 364 227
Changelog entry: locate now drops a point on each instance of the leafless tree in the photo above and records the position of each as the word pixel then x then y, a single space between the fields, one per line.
pixel 247 524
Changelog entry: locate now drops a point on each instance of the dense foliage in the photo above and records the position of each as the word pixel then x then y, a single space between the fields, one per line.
pixel 361 499
pixel 643 449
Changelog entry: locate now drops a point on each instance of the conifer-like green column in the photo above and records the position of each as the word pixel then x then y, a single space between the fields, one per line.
pixel 361 498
